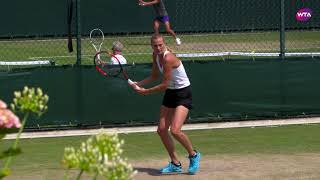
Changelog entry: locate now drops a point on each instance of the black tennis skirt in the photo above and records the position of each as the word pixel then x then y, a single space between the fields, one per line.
pixel 176 97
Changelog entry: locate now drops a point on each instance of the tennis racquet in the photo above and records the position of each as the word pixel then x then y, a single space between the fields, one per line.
pixel 96 38
pixel 101 61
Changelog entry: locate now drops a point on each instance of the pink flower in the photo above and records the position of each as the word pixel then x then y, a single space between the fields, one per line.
pixel 3 105
pixel 7 118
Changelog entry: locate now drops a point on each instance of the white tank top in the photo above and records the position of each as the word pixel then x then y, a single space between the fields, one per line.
pixel 179 78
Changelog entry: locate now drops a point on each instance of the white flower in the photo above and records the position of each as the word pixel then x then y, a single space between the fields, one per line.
pixel 17 94
pixel 39 91
pixel 100 154
pixel 25 89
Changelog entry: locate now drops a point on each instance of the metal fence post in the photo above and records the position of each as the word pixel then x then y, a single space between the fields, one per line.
pixel 282 30
pixel 78 27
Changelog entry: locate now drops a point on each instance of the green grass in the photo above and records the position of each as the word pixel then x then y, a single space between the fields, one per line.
pixel 270 140
pixel 46 153
pixel 138 50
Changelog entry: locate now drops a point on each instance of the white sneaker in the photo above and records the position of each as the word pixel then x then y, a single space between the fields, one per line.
pixel 178 41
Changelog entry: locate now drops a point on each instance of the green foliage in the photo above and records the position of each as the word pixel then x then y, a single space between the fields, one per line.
pixel 99 155
pixel 4 173
pixel 29 100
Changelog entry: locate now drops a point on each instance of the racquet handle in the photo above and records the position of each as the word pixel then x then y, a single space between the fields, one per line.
pixel 130 82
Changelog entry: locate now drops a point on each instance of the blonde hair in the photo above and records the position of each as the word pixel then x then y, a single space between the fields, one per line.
pixel 159 36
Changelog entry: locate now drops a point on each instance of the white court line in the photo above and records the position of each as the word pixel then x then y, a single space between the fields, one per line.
pixel 199 126
pixel 244 54
pixel 23 63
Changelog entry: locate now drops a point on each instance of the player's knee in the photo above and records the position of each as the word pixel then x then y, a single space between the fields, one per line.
pixel 169 30
pixel 162 130
pixel 175 131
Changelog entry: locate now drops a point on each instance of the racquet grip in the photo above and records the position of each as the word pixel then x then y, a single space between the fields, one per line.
pixel 130 82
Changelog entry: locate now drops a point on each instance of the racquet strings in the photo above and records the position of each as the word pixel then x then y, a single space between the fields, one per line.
pixel 102 62
pixel 96 37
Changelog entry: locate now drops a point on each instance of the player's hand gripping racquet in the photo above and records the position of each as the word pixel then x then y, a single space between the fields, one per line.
pixel 101 61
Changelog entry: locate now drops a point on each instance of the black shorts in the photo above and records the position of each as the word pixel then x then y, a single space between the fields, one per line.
pixel 176 97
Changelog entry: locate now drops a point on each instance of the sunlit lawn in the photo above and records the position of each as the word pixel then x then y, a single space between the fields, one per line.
pixel 41 154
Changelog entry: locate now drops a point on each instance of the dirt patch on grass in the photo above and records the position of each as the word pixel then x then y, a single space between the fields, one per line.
pixel 240 167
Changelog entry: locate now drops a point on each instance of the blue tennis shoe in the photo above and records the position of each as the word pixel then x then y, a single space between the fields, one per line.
pixel 194 163
pixel 171 168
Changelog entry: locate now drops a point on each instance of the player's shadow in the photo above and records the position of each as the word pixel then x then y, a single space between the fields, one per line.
pixel 150 171
pixel 154 172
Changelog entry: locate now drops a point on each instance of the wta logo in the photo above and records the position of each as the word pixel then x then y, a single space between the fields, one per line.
pixel 304 14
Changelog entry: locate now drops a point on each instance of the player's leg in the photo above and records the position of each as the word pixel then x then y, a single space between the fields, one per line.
pixel 163 127
pixel 170 31
pixel 156 24
pixel 174 166
pixel 178 118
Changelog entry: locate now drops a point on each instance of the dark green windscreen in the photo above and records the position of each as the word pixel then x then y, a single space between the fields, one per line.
pixel 222 90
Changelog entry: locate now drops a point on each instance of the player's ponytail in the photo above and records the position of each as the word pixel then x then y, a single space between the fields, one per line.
pixel 169 49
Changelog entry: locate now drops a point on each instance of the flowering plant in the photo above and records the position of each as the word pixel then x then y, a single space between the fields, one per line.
pixel 29 100
pixel 99 155
pixel 7 119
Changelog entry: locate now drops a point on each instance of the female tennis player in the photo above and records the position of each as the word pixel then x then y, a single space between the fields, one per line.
pixel 175 105
pixel 161 17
